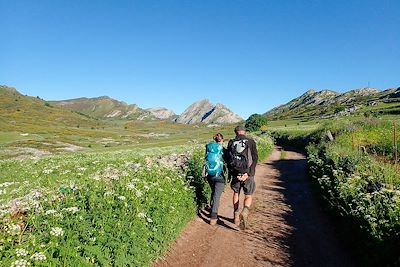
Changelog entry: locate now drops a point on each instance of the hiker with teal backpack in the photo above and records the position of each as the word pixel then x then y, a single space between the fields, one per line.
pixel 213 171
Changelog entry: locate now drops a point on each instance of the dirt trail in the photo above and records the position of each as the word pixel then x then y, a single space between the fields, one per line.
pixel 287 226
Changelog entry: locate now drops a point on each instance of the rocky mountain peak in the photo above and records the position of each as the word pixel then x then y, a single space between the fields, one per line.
pixel 104 97
pixel 204 111
pixel 364 91
pixel 161 113
pixel 308 93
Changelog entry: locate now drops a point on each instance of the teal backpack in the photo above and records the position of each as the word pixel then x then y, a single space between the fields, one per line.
pixel 214 161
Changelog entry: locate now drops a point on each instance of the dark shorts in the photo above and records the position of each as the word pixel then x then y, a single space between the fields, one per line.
pixel 249 186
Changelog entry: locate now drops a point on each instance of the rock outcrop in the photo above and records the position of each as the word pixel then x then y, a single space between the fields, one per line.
pixel 162 113
pixel 205 112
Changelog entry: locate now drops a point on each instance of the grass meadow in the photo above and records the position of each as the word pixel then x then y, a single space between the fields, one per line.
pixel 118 197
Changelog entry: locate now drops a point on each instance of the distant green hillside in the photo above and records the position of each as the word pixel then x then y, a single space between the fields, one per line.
pixel 32 128
pixel 104 107
pixel 19 113
pixel 29 125
pixel 326 104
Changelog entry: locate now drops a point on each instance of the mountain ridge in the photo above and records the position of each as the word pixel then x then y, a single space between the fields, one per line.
pixel 105 107
pixel 328 102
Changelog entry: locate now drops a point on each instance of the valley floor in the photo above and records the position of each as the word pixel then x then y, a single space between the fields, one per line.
pixel 287 225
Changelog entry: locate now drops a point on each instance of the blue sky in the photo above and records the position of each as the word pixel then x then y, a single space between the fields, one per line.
pixel 249 55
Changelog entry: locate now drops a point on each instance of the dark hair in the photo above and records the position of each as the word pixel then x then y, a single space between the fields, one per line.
pixel 239 128
pixel 218 137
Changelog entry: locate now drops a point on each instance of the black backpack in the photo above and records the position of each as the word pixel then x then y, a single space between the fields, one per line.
pixel 238 153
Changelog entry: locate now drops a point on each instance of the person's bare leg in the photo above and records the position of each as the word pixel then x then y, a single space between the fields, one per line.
pixel 245 212
pixel 248 200
pixel 235 200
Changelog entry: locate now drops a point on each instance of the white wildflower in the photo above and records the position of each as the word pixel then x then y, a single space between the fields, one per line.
pixel 50 212
pixel 14 229
pixel 2 192
pixel 7 184
pixel 47 171
pixel 36 194
pixel 21 252
pixel 59 215
pixel 141 215
pixel 136 167
pixel 20 263
pixel 73 187
pixel 73 210
pixel 121 198
pixel 138 193
pixel 38 256
pixel 3 212
pixel 36 205
pixel 96 178
pixel 57 231
pixel 149 220
pixel 146 187
pixel 108 193
pixel 130 186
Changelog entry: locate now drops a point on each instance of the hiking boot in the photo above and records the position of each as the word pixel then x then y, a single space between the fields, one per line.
pixel 243 218
pixel 207 208
pixel 236 218
pixel 213 222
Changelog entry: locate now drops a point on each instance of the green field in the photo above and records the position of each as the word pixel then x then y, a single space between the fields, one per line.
pixel 116 194
pixel 116 135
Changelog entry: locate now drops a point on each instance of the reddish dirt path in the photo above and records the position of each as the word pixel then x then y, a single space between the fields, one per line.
pixel 287 226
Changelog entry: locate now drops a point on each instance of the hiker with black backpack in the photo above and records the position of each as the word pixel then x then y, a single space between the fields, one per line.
pixel 243 157
pixel 213 171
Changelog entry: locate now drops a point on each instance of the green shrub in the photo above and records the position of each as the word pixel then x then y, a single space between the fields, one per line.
pixel 255 122
pixel 265 145
pixel 194 176
pixel 363 189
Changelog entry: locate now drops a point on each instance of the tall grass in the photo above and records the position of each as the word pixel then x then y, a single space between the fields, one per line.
pixel 111 209
pixel 360 184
